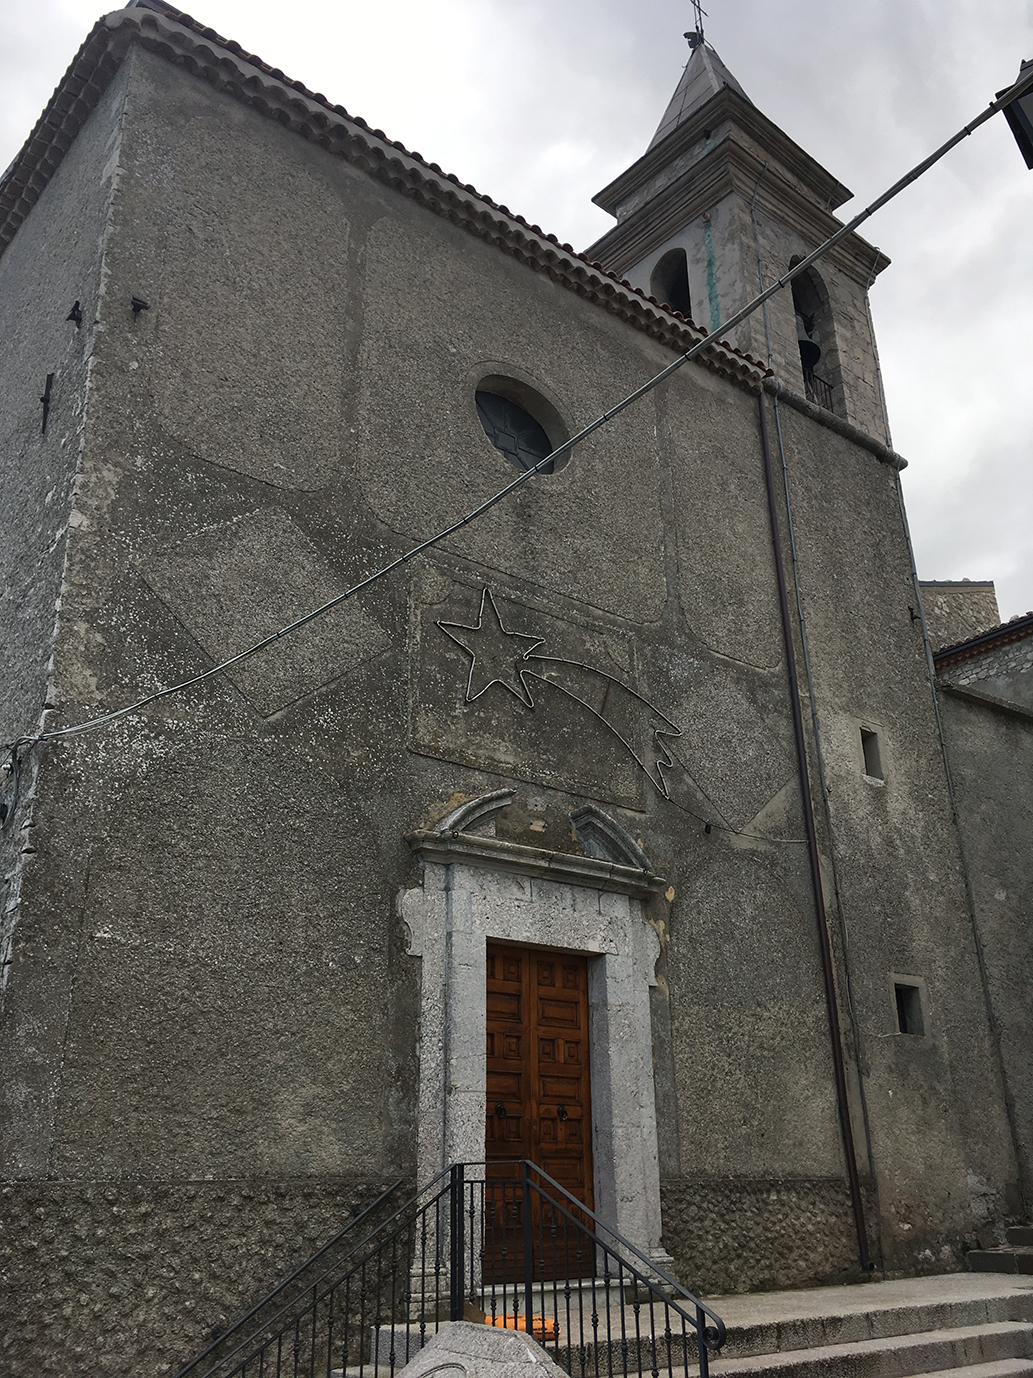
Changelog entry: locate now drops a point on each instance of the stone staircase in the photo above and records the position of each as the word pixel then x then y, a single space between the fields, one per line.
pixel 1014 1257
pixel 959 1323
pixel 965 1325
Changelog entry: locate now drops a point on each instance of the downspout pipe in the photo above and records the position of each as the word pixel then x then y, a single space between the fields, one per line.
pixel 824 944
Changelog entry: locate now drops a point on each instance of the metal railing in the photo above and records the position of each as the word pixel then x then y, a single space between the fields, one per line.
pixel 817 390
pixel 512 1249
pixel 293 1287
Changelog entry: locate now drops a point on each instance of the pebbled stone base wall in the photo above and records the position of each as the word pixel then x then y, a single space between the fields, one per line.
pixel 132 1278
pixel 740 1235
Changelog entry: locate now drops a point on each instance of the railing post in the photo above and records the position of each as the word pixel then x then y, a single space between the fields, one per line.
pixel 456 1280
pixel 701 1343
pixel 528 1255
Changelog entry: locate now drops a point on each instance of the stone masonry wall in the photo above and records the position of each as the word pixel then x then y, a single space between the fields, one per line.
pixel 1013 659
pixel 955 611
pixel 94 1272
pixel 802 1227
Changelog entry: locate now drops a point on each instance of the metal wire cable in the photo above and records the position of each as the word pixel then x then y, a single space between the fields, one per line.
pixel 105 719
pixel 711 826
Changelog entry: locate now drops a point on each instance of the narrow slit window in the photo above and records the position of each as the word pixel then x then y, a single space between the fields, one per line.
pixel 909 1009
pixel 872 758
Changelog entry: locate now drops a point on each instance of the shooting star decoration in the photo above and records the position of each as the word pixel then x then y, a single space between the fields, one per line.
pixel 510 659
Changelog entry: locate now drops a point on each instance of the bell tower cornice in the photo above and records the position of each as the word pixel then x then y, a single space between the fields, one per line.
pixel 721 204
pixel 721 150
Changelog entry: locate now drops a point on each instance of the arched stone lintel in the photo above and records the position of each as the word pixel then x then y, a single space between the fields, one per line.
pixel 604 837
pixel 476 812
pixel 613 860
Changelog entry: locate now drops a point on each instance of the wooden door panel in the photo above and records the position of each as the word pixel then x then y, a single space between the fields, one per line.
pixel 508 1136
pixel 553 1086
pixel 506 1086
pixel 555 1012
pixel 538 1075
pixel 506 1005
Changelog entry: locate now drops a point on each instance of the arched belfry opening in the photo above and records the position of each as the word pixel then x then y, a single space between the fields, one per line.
pixel 669 281
pixel 721 195
pixel 816 337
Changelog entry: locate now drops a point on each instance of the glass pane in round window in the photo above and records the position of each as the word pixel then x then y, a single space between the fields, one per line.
pixel 513 431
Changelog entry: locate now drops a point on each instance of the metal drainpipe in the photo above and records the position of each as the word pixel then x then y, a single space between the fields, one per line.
pixel 831 1002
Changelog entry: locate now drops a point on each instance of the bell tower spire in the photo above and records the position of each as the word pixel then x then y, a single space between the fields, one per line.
pixel 704 76
pixel 723 202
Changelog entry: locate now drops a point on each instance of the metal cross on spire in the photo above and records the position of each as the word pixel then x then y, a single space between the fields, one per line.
pixel 695 36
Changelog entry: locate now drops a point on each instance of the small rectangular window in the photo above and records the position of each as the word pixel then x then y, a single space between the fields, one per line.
pixel 872 759
pixel 909 1009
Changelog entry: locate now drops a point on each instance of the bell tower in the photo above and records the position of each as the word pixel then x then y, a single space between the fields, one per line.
pixel 722 200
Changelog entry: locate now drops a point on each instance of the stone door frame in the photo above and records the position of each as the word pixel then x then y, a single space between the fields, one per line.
pixel 478 888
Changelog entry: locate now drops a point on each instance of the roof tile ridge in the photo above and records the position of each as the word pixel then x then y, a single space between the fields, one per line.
pixel 143 17
pixel 1018 626
pixel 253 60
pixel 69 75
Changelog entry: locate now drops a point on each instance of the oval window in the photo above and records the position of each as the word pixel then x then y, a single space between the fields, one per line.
pixel 513 430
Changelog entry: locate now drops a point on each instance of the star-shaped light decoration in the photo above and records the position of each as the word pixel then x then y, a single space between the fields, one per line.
pixel 496 654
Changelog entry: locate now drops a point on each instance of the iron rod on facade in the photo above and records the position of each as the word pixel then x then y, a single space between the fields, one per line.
pixel 824 944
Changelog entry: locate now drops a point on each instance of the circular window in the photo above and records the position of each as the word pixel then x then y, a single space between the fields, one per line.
pixel 513 431
pixel 522 425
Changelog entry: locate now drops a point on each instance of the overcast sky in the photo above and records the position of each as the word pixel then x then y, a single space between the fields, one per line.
pixel 539 103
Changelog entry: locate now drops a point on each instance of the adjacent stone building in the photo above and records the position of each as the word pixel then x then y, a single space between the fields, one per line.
pixel 662 716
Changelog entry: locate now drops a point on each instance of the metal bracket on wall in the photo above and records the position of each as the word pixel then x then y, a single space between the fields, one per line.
pixel 45 399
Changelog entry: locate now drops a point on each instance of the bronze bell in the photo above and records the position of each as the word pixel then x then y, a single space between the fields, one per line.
pixel 810 349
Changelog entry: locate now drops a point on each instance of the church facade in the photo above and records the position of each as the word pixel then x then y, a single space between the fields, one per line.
pixel 658 729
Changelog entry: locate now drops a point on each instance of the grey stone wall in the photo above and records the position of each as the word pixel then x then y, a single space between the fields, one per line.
pixel 850 360
pixel 902 902
pixel 802 1229
pixel 956 610
pixel 54 263
pixel 991 754
pixel 210 979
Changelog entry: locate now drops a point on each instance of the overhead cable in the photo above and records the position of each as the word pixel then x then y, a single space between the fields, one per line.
pixel 1024 84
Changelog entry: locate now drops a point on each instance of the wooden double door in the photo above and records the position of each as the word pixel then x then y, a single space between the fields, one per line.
pixel 538 1101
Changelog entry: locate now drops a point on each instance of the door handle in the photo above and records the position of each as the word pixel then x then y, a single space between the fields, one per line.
pixel 561 1112
pixel 500 1110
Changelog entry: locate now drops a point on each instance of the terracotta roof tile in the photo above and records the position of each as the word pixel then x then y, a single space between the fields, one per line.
pixel 103 51
pixel 1015 629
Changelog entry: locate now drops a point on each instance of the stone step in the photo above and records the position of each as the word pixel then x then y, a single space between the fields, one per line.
pixel 879 1321
pixel 802 1321
pixel 998 1368
pixel 874 1315
pixel 894 1356
pixel 1008 1259
pixel 917 1326
pixel 1021 1235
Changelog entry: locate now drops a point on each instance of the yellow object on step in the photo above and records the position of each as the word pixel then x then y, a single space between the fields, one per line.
pixel 542 1327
